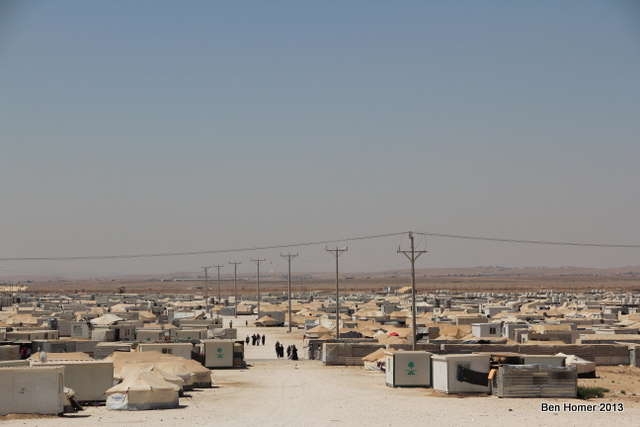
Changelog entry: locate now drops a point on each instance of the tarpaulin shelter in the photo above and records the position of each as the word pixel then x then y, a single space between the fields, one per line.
pixel 142 392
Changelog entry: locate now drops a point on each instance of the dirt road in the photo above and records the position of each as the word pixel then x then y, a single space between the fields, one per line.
pixel 272 392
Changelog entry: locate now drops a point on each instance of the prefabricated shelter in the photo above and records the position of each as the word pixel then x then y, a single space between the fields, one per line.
pixel 536 381
pixel 79 330
pixel 193 334
pixel 106 349
pixel 543 359
pixel 486 330
pixel 9 352
pixel 103 334
pixel 218 353
pixel 347 353
pixel 176 349
pixel 14 363
pixel 31 335
pixel 461 373
pixel 141 392
pixel 32 390
pixel 149 334
pixel 90 379
pixel 408 368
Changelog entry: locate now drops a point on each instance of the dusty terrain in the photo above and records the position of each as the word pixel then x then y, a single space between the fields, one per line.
pixel 530 280
pixel 272 392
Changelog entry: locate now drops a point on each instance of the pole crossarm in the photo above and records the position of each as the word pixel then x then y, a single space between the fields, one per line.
pixel 413 255
pixel 336 253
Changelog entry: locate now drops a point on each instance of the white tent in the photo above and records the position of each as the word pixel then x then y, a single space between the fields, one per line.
pixel 585 368
pixel 141 392
pixel 106 320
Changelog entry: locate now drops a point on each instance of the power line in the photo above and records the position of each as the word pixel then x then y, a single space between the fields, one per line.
pixel 325 242
pixel 220 251
pixel 536 242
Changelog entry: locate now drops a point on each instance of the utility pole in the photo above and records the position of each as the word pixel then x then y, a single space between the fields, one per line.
pixel 414 255
pixel 219 293
pixel 206 289
pixel 235 288
pixel 258 262
pixel 337 252
pixel 289 257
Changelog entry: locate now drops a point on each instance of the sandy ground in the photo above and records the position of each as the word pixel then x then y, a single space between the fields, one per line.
pixel 272 392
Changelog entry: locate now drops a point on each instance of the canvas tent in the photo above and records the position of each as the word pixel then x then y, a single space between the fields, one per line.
pixel 132 369
pixel 191 372
pixel 268 321
pixel 142 392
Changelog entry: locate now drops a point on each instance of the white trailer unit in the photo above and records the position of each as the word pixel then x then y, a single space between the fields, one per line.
pixel 148 334
pixel 408 368
pixel 218 353
pixel 447 379
pixel 89 379
pixel 32 390
pixel 192 334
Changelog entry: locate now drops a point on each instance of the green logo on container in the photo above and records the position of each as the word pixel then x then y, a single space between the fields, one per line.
pixel 220 355
pixel 411 371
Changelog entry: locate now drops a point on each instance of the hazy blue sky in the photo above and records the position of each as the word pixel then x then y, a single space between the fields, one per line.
pixel 130 127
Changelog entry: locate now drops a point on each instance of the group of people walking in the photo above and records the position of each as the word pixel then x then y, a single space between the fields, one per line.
pixel 292 351
pixel 255 339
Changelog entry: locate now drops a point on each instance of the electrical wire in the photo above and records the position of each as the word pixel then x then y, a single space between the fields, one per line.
pixel 536 242
pixel 99 257
pixel 450 236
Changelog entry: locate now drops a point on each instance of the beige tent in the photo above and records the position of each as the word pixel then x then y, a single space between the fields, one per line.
pixel 317 331
pixel 52 357
pixel 133 369
pixel 268 321
pixel 141 392
pixel 147 316
pixel 171 364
